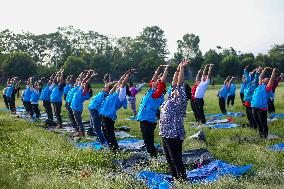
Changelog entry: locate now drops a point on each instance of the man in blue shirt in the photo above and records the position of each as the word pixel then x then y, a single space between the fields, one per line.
pixel 231 95
pixel 56 96
pixel 45 97
pixel 223 93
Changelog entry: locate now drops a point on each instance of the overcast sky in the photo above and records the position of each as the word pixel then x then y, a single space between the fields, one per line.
pixel 247 25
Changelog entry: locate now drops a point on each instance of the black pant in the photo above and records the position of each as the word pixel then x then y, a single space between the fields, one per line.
pixel 147 129
pixel 36 110
pixel 6 101
pixel 13 104
pixel 78 119
pixel 199 104
pixel 260 117
pixel 271 107
pixel 242 97
pixel 173 153
pixel 28 107
pixel 71 115
pixel 193 107
pixel 231 99
pixel 250 117
pixel 48 110
pixel 108 130
pixel 57 111
pixel 222 105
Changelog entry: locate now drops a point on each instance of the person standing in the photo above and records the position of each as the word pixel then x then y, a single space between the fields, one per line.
pixel 147 113
pixel 252 83
pixel 259 101
pixel 56 96
pixel 83 93
pixel 223 93
pixel 114 101
pixel 200 92
pixel 171 129
pixel 45 98
pixel 231 94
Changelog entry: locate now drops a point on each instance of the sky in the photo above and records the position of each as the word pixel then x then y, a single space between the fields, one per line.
pixel 246 25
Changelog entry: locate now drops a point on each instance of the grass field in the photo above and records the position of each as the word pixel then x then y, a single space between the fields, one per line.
pixel 31 157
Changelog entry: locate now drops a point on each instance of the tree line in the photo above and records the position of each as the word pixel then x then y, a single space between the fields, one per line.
pixel 25 54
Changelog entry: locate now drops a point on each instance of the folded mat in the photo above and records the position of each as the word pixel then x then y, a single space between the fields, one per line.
pixel 224 125
pixel 123 134
pixel 214 121
pixel 206 174
pixel 276 147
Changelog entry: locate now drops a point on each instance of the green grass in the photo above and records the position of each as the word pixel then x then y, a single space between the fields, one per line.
pixel 31 157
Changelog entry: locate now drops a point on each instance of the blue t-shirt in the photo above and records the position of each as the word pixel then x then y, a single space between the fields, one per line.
pixel 78 100
pixel 57 92
pixel 71 94
pixel 223 92
pixel 232 90
pixel 149 106
pixel 111 105
pixel 45 93
pixel 35 96
pixel 67 88
pixel 260 97
pixel 97 101
pixel 10 91
pixel 27 94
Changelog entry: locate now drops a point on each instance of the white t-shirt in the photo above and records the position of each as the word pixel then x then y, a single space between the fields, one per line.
pixel 201 88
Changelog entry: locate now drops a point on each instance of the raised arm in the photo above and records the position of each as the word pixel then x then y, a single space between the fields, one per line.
pixel 231 80
pixel 227 80
pixel 205 70
pixel 175 77
pixel 106 79
pixel 181 72
pixel 165 74
pixel 261 77
pixel 156 74
pixel 199 75
pixel 113 89
pixel 271 80
pixel 30 82
pixel 210 70
pixel 127 77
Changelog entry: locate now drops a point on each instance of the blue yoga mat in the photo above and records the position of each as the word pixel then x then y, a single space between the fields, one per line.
pixel 232 114
pixel 205 174
pixel 224 125
pixel 93 145
pixel 276 116
pixel 276 147
pixel 130 143
pixel 236 114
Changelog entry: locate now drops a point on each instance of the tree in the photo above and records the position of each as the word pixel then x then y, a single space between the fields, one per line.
pixel 276 55
pixel 262 60
pixel 230 66
pixel 74 65
pixel 154 39
pixel 212 57
pixel 188 49
pixel 19 64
